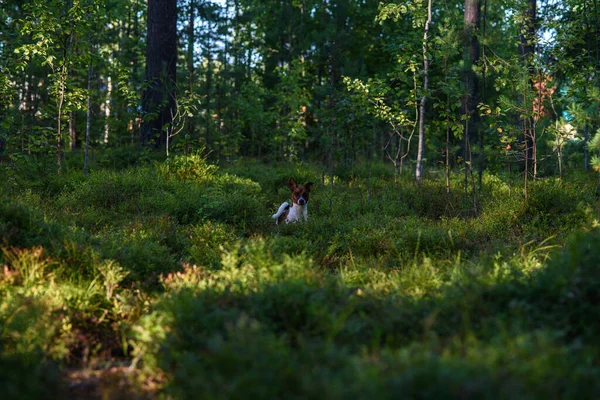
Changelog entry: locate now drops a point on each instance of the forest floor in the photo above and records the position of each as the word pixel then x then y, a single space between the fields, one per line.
pixel 173 281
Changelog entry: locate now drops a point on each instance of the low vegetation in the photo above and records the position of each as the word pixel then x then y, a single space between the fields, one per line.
pixel 170 279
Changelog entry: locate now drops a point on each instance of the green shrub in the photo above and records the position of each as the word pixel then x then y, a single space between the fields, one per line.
pixel 568 288
pixel 554 207
pixel 110 191
pixel 232 200
pixel 390 290
pixel 124 157
pixel 194 167
pixel 29 376
pixel 206 241
pixel 181 201
pixel 47 316
pixel 21 226
pixel 277 329
pixel 144 258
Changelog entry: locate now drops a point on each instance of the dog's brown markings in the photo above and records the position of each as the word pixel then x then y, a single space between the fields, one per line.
pixel 283 215
pixel 299 191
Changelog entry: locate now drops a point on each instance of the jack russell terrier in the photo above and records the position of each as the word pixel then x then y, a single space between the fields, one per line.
pixel 299 207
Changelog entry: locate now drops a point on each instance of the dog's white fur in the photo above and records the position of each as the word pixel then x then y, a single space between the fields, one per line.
pixel 297 212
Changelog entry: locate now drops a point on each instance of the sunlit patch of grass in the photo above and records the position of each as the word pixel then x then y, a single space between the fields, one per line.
pixel 48 312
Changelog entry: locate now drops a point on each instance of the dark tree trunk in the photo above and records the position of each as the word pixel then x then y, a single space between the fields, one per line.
pixel 471 20
pixel 209 79
pixel 190 60
pixel 158 102
pixel 88 119
pixel 471 57
pixel 483 97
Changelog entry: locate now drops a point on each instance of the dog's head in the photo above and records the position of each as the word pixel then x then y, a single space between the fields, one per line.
pixel 300 193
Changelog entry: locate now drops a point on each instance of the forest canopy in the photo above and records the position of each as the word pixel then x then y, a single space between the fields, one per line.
pixel 473 84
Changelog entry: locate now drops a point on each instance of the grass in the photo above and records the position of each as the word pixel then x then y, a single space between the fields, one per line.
pixel 171 280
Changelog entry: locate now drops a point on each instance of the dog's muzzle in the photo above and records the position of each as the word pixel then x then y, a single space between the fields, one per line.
pixel 301 201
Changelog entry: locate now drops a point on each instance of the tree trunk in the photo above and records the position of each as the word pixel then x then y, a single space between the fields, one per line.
pixel 527 35
pixel 483 97
pixel 586 139
pixel 526 51
pixel 209 117
pixel 61 101
pixel 332 121
pixel 190 60
pixel 471 57
pixel 88 122
pixel 107 108
pixel 72 113
pixel 135 120
pixel 158 103
pixel 72 130
pixel 421 148
pixel 588 42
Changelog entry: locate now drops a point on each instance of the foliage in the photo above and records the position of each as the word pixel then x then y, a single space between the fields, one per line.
pixel 251 98
pixel 161 274
pixel 355 334
pixel 595 145
pixel 193 167
pixel 185 278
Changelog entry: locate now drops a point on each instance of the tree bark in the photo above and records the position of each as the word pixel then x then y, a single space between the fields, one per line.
pixel 158 103
pixel 60 103
pixel 526 51
pixel 107 104
pixel 209 75
pixel 471 57
pixel 483 96
pixel 72 130
pixel 190 60
pixel 88 121
pixel 421 148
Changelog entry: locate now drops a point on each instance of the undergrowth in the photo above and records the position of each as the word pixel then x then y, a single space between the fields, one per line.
pixel 391 289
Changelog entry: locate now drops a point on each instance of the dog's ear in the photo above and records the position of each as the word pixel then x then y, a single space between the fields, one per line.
pixel 308 186
pixel 292 184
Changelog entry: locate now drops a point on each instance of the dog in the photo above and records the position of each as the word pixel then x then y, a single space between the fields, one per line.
pixel 299 207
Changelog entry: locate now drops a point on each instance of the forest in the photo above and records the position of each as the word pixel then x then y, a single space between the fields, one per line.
pixel 451 247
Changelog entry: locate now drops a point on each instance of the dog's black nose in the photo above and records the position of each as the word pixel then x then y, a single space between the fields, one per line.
pixel 301 201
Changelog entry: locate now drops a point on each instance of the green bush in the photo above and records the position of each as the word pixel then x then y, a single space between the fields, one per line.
pixel 232 200
pixel 283 329
pixel 206 241
pixel 554 207
pixel 194 167
pixel 29 376
pixel 390 290
pixel 144 258
pixel 20 226
pixel 124 157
